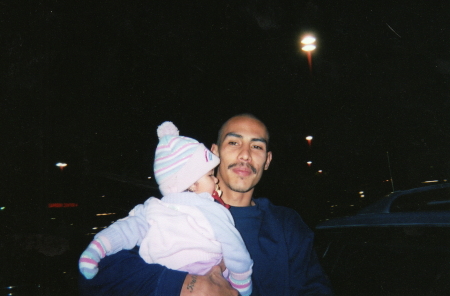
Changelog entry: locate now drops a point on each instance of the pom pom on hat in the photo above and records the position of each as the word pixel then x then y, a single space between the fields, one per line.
pixel 167 129
pixel 180 161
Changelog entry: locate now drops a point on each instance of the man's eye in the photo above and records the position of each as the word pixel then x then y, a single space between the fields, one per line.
pixel 232 143
pixel 257 147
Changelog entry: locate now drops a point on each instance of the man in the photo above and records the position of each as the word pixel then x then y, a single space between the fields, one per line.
pixel 280 244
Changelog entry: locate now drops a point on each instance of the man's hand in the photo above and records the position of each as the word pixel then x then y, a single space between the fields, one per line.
pixel 210 284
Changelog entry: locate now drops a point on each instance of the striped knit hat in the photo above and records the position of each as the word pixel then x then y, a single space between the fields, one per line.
pixel 180 161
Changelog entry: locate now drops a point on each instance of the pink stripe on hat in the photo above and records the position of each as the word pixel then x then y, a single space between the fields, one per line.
pixel 172 165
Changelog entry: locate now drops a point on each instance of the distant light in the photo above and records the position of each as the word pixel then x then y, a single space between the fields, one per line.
pixel 431 181
pixel 309 138
pixel 309 47
pixel 105 214
pixel 62 205
pixel 309 163
pixel 362 195
pixel 308 39
pixel 61 165
pixel 2 208
pixel 149 178
pixel 361 192
pixel 320 171
pixel 352 205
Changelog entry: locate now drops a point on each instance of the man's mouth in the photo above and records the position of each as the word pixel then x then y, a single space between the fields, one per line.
pixel 242 169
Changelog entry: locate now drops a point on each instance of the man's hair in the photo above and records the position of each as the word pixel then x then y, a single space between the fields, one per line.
pixel 248 115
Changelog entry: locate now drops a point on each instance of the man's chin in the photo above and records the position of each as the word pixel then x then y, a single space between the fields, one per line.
pixel 241 189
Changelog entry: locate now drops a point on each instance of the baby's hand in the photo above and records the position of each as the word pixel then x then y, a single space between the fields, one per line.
pixel 90 258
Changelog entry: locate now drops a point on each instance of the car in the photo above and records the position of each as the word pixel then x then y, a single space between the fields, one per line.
pixel 399 245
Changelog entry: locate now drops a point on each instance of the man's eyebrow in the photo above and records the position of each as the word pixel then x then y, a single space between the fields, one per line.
pixel 233 135
pixel 259 140
pixel 240 136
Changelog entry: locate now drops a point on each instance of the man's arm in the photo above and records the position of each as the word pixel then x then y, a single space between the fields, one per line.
pixel 307 276
pixel 212 283
pixel 125 273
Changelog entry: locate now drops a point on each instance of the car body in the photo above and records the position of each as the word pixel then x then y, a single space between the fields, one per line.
pixel 399 245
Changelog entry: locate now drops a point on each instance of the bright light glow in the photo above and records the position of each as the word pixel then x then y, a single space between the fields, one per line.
pixel 309 139
pixel 309 163
pixel 105 214
pixel 361 192
pixel 149 178
pixel 431 181
pixel 2 208
pixel 320 171
pixel 308 39
pixel 61 165
pixel 309 47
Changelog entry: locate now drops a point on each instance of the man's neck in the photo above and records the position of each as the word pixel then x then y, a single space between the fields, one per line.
pixel 237 199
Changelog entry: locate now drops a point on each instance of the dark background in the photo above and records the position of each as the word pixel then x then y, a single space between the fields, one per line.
pixel 88 82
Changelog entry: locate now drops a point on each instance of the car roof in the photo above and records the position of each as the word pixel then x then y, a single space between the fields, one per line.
pixel 381 214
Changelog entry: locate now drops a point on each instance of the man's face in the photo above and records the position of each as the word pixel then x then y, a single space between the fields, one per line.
pixel 243 154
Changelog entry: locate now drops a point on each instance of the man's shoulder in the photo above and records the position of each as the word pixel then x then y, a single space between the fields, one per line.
pixel 283 214
pixel 265 204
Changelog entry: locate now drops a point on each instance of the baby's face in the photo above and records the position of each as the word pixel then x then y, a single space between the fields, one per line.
pixel 207 183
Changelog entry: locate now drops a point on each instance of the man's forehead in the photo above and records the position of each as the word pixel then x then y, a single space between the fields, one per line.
pixel 245 128
pixel 244 136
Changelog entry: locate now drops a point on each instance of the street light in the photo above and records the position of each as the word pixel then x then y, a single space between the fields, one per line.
pixel 61 165
pixel 309 139
pixel 309 163
pixel 308 44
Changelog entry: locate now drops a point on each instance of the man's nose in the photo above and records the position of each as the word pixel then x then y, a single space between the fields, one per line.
pixel 244 155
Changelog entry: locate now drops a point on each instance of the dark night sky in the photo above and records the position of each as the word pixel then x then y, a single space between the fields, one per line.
pixel 88 83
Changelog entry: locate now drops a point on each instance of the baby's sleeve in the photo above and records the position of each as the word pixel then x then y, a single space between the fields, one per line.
pixel 235 254
pixel 126 233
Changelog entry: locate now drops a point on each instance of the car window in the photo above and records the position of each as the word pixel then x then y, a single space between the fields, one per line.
pixel 431 200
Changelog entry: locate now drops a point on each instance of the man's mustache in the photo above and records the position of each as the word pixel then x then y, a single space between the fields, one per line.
pixel 252 168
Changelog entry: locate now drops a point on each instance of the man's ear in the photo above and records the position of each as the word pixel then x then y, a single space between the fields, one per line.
pixel 268 160
pixel 215 149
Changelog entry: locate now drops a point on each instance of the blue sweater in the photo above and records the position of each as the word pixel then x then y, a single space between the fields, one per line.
pixel 279 242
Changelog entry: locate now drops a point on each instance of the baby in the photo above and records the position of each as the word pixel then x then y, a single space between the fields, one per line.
pixel 189 228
